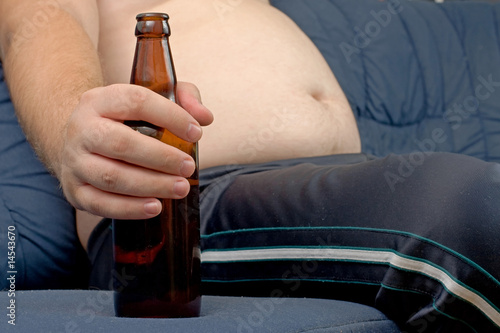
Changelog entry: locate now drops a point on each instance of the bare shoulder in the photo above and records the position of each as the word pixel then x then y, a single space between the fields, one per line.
pixel 16 16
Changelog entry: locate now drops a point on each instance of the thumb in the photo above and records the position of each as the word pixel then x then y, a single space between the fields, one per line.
pixel 189 98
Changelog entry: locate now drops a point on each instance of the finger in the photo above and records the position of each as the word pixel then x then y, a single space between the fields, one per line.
pixel 125 179
pixel 189 89
pixel 132 102
pixel 189 98
pixel 115 206
pixel 116 141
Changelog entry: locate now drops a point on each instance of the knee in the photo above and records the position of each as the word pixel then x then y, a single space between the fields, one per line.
pixel 471 204
pixel 480 193
pixel 461 188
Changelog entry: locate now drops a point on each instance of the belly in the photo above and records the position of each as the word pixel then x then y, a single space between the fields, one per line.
pixel 272 94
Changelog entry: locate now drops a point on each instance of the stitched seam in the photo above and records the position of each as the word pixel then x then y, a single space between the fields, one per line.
pixel 362 62
pixel 20 264
pixel 418 60
pixel 479 115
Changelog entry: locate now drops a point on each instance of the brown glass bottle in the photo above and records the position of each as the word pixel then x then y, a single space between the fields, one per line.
pixel 157 261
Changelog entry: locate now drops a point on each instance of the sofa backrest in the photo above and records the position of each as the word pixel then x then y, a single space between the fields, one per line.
pixel 420 76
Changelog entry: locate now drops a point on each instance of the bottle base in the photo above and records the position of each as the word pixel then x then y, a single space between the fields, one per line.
pixel 130 306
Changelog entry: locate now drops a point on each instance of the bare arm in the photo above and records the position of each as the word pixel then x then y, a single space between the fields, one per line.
pixel 76 124
pixel 48 50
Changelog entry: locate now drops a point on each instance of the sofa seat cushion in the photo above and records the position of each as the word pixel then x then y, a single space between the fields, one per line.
pixel 92 311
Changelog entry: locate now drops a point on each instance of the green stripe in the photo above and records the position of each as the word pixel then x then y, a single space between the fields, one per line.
pixel 457 319
pixel 283 280
pixel 435 306
pixel 403 233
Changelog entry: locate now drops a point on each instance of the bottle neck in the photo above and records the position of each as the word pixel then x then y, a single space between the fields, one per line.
pixel 153 67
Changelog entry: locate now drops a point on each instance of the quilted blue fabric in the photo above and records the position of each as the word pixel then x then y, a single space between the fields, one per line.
pixel 419 76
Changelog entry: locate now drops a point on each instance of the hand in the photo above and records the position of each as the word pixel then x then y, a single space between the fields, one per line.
pixel 110 170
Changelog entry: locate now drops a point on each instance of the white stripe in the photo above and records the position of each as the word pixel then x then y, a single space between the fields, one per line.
pixel 386 257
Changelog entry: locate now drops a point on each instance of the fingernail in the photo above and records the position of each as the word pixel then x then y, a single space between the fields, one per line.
pixel 187 168
pixel 152 208
pixel 194 132
pixel 181 188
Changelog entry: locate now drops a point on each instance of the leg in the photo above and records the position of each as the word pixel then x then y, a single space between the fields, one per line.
pixel 418 239
pixel 47 250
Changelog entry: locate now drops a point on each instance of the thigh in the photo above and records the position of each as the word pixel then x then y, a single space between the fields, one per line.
pixel 415 235
pixel 437 197
pixel 47 250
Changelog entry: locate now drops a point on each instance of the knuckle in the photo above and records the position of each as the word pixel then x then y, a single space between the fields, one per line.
pixel 191 90
pixel 136 97
pixel 98 133
pixel 88 96
pixel 109 179
pixel 168 162
pixel 120 145
pixel 113 89
pixel 95 207
pixel 75 196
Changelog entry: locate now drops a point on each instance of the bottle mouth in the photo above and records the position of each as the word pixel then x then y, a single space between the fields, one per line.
pixel 152 16
pixel 152 25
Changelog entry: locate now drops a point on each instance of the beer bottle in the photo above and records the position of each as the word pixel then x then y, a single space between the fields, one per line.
pixel 157 261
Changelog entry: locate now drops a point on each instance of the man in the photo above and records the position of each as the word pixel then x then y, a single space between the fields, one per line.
pixel 311 100
pixel 273 98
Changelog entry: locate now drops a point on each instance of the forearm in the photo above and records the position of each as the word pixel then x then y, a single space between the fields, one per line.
pixel 47 71
pixel 76 124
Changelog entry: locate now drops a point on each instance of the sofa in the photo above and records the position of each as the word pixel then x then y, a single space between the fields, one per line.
pixel 419 79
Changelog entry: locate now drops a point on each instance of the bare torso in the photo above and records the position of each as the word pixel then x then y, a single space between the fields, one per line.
pixel 272 94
